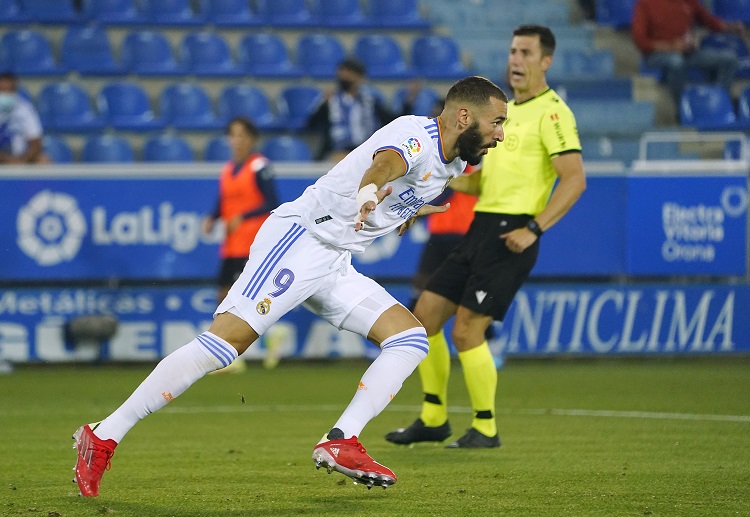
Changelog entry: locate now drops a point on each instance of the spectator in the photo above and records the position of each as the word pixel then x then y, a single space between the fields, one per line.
pixel 20 128
pixel 664 31
pixel 348 115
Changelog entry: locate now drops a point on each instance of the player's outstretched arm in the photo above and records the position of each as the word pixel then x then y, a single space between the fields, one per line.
pixel 423 210
pixel 387 165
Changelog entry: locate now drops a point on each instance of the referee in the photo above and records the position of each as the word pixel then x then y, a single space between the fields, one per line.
pixel 480 278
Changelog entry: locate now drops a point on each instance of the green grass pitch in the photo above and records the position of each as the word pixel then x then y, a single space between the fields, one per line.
pixel 656 437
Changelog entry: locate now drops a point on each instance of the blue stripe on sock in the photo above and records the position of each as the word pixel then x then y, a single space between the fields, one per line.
pixel 229 349
pixel 275 260
pixel 417 340
pixel 224 357
pixel 281 247
pixel 229 352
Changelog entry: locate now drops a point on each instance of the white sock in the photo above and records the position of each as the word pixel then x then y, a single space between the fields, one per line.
pixel 171 377
pixel 398 359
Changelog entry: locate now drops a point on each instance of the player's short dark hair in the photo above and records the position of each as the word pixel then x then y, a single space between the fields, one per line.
pixel 546 38
pixel 476 90
pixel 246 124
pixel 353 65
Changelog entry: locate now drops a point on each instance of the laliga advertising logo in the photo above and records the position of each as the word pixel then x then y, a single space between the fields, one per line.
pixel 50 228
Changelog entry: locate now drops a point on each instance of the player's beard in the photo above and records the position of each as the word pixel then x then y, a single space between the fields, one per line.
pixel 470 145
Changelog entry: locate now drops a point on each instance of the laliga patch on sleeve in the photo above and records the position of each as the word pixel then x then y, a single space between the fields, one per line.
pixel 412 146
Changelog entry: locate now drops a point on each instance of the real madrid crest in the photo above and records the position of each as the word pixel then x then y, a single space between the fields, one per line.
pixel 263 307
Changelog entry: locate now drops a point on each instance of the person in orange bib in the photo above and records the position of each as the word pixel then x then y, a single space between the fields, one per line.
pixel 247 194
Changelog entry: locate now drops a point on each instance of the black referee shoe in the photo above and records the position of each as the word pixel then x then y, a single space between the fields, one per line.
pixel 473 439
pixel 418 432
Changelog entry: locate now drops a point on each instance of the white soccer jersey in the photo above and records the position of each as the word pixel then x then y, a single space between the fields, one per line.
pixel 328 207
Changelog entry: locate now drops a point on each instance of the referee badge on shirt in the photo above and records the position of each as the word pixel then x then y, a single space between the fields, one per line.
pixel 263 307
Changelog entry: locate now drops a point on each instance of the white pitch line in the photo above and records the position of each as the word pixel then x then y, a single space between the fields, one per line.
pixel 649 415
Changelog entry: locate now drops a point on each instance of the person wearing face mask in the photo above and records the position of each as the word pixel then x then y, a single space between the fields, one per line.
pixel 348 115
pixel 516 204
pixel 20 128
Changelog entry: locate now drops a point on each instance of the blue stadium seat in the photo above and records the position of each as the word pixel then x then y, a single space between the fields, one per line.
pixel 11 12
pixel 319 54
pixel 188 106
pixel 207 54
pixel 588 63
pixel 591 88
pixel 217 150
pixel 167 148
pixel 247 101
pixel 57 150
pixel 382 57
pixel 230 13
pixel 66 107
pixel 264 54
pixel 422 105
pixel 397 14
pixel 87 50
pixel 286 13
pixel 115 12
pixel 170 12
pixel 633 118
pixel 437 57
pixel 743 107
pixel 125 105
pixel 51 11
pixel 107 149
pixel 149 53
pixel 707 107
pixel 296 103
pixel 733 9
pixel 732 150
pixel 286 148
pixel 728 41
pixel 27 52
pixel 615 13
pixel 341 14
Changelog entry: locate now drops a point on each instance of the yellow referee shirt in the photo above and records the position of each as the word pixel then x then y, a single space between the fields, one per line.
pixel 517 175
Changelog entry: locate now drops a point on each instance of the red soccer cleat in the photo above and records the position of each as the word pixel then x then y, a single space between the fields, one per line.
pixel 94 456
pixel 349 457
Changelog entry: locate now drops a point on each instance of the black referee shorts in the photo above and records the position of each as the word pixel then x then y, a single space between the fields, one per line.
pixel 482 274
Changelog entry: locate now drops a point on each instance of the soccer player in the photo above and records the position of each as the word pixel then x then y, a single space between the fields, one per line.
pixel 302 254
pixel 479 280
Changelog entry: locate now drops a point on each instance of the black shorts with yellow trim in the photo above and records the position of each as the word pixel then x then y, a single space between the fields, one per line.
pixel 482 274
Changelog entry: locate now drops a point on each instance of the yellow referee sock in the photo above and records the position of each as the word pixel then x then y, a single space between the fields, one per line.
pixel 480 375
pixel 434 371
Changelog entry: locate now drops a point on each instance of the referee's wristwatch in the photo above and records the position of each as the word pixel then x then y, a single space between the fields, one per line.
pixel 535 228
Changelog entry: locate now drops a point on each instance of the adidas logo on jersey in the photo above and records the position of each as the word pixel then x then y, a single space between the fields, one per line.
pixel 480 296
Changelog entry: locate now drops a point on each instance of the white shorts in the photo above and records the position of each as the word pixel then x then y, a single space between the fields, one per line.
pixel 289 266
